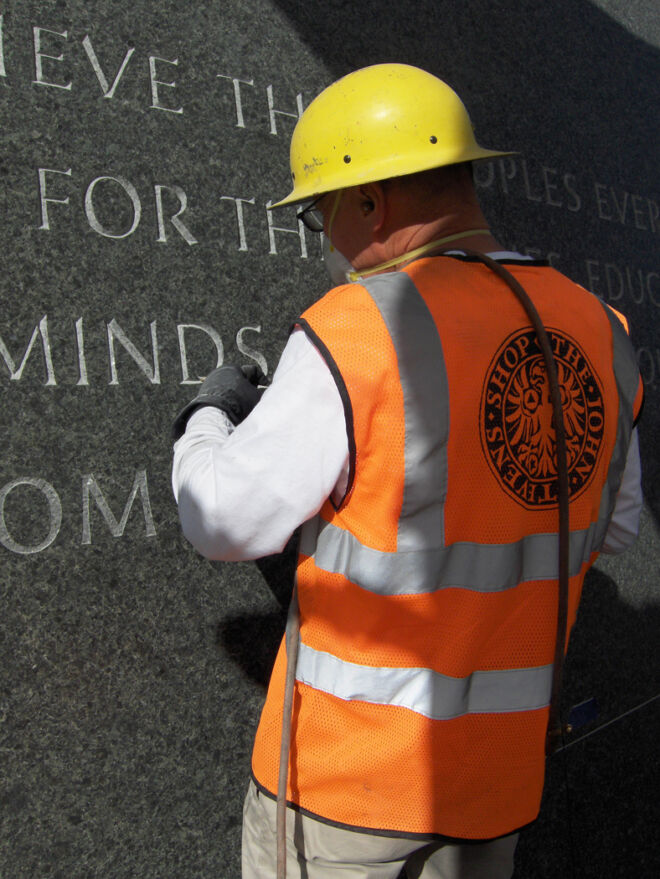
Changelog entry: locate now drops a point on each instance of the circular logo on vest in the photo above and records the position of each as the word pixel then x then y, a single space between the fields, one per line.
pixel 517 431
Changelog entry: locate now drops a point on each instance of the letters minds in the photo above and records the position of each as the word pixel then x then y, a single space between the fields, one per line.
pixel 196 342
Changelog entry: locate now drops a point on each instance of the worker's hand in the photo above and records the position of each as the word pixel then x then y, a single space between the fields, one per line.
pixel 230 388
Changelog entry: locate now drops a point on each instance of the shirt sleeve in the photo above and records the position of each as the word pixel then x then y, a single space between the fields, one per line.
pixel 624 524
pixel 243 491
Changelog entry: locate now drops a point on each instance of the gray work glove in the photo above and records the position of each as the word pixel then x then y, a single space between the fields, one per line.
pixel 230 388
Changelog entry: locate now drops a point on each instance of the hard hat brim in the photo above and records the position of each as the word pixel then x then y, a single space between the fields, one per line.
pixel 313 189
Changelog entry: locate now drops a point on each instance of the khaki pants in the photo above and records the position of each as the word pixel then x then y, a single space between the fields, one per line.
pixel 320 851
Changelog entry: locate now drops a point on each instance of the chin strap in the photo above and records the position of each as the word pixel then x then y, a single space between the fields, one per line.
pixel 413 254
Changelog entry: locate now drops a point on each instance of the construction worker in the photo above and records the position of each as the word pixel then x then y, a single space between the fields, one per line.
pixel 408 427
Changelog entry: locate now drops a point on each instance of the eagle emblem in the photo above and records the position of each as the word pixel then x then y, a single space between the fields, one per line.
pixel 517 423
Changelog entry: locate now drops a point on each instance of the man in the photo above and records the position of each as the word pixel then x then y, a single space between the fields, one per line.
pixel 408 426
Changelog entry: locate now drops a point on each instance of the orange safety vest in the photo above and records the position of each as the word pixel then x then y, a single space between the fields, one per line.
pixel 428 595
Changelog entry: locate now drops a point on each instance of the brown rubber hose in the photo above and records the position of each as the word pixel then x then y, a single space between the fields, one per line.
pixel 555 729
pixel 292 640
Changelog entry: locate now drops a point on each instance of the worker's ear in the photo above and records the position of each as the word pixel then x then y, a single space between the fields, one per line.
pixel 373 205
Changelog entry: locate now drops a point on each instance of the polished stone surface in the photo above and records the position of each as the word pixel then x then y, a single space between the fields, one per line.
pixel 137 251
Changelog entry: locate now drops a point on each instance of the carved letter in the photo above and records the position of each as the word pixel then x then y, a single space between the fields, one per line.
pixel 240 122
pixel 528 191
pixel 592 273
pixel 620 209
pixel 116 332
pixel 507 175
pixel 183 230
pixel 550 186
pixel 90 486
pixel 272 112
pixel 482 181
pixel 38 55
pixel 45 224
pixel 250 352
pixel 631 287
pixel 239 202
pixel 601 202
pixel 82 363
pixel 54 508
pixel 653 295
pixel 569 182
pixel 272 229
pixel 91 214
pixel 108 91
pixel 215 336
pixel 3 72
pixel 155 104
pixel 638 213
pixel 647 370
pixel 610 269
pixel 15 374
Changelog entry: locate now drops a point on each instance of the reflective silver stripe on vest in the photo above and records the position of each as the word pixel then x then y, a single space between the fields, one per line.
pixel 626 374
pixel 482 567
pixel 425 691
pixel 423 378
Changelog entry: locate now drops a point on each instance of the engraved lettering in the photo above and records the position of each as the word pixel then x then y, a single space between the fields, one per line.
pixel 637 212
pixel 528 192
pixel 107 89
pixel 44 199
pixel 551 186
pixel 16 373
pixel 601 201
pixel 272 112
pixel 3 71
pixel 620 208
pixel 483 174
pixel 272 229
pixel 507 168
pixel 248 350
pixel 38 55
pixel 183 230
pixel 155 101
pixel 611 272
pixel 217 341
pixel 654 211
pixel 54 515
pixel 637 298
pixel 237 83
pixel 92 219
pixel 151 372
pixel 90 487
pixel 592 274
pixel 654 294
pixel 82 363
pixel 239 202
pixel 570 184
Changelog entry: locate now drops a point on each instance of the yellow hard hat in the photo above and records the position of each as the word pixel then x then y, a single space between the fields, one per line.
pixel 383 121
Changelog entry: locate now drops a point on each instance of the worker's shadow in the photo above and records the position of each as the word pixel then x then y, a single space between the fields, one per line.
pixel 251 640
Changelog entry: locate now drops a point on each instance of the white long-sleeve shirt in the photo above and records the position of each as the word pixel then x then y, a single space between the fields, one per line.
pixel 243 491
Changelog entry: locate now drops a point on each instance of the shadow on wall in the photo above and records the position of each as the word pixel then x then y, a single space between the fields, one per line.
pixel 567 86
pixel 597 817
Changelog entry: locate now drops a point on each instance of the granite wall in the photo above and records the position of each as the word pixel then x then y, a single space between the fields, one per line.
pixel 141 145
